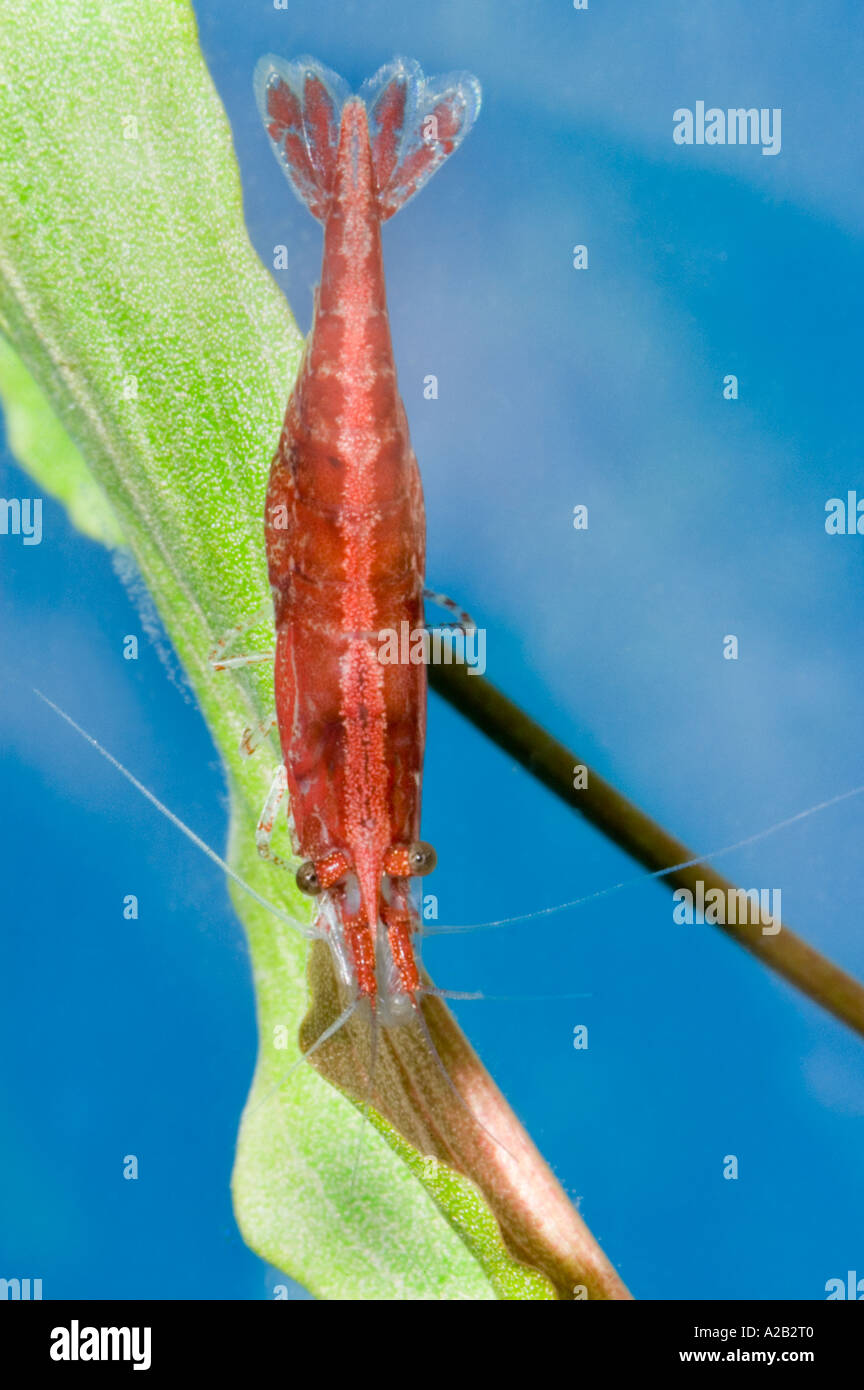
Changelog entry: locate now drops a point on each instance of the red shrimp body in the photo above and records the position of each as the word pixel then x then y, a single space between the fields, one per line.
pixel 345 530
pixel 349 563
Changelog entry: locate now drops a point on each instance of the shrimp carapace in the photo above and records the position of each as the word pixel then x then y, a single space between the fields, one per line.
pixel 345 525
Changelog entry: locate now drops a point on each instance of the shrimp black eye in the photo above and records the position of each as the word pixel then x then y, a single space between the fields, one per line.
pixel 422 858
pixel 410 861
pixel 307 878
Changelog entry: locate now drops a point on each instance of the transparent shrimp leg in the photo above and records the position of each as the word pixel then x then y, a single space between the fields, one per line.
pixel 463 619
pixel 256 735
pixel 231 663
pixel 219 659
pixel 267 819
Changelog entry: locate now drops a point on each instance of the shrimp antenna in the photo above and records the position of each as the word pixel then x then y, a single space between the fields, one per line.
pixel 453 993
pixel 430 1043
pixel 310 1051
pixel 460 994
pixel 657 873
pixel 181 825
pixel 373 1062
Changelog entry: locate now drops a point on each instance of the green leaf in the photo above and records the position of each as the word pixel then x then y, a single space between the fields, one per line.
pixel 147 339
pixel 41 444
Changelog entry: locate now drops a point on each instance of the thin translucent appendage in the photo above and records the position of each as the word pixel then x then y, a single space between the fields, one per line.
pixel 463 619
pixel 181 825
pixel 424 1028
pixel 333 933
pixel 450 993
pixel 364 1114
pixel 458 994
pixel 310 1051
pixel 705 858
pixel 218 657
pixel 232 663
pixel 267 820
pixel 292 832
pixel 256 735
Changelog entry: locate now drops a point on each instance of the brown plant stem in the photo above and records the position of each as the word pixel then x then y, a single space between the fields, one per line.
pixel 641 837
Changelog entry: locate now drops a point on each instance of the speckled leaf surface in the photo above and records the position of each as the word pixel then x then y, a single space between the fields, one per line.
pixel 149 358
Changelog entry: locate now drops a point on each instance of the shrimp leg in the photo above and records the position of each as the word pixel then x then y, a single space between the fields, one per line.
pixel 218 659
pixel 267 819
pixel 254 736
pixel 464 620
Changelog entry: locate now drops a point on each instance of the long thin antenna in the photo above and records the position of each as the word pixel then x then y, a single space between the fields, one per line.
pixel 430 1042
pixel 658 873
pixel 364 1114
pixel 458 994
pixel 627 826
pixel 308 932
pixel 310 1051
pixel 451 993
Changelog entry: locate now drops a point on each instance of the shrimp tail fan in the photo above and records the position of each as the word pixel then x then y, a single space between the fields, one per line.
pixel 414 124
pixel 301 107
